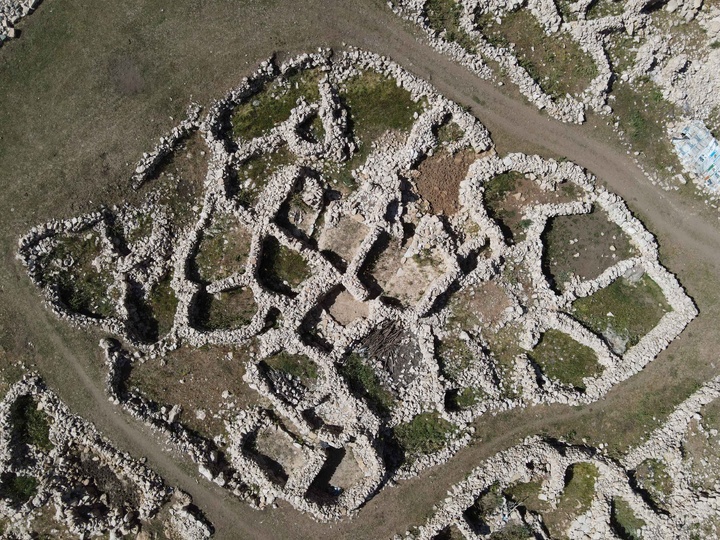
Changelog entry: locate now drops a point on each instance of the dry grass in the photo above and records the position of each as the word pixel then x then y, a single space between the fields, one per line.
pixel 195 379
pixel 597 242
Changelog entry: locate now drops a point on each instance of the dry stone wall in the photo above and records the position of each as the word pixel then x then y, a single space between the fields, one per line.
pixel 548 461
pixel 326 417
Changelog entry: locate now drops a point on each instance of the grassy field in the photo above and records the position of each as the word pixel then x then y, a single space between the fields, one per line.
pixel 624 309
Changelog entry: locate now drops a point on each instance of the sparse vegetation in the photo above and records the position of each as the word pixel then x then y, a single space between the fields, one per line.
pixel 223 250
pixel 253 174
pixel 425 434
pixel 444 16
pixel 557 62
pixel 273 104
pixel 486 504
pixel 564 359
pixel 454 356
pixel 163 303
pixel 281 268
pixel 226 310
pixel 623 309
pixel 643 112
pixel 363 381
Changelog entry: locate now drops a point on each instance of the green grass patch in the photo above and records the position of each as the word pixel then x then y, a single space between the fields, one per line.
pixel 377 104
pixel 652 476
pixel 17 489
pixel 30 426
pixel 575 500
pixel 636 309
pixel 226 310
pixel 557 62
pixel 444 15
pixel 364 382
pixel 624 521
pixel 297 365
pixel 564 359
pixel 273 103
pixel 282 269
pixel 425 434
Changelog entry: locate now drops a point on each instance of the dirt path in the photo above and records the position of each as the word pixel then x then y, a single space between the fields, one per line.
pixel 515 126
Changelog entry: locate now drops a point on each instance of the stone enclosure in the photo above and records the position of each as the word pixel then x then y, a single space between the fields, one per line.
pixel 349 320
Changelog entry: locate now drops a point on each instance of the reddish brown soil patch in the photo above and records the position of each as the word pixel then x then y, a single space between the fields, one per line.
pixel 438 179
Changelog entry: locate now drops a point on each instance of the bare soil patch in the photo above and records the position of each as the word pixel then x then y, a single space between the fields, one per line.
pixel 195 379
pixel 476 305
pixel 345 238
pixel 345 309
pixel 438 179
pixel 584 245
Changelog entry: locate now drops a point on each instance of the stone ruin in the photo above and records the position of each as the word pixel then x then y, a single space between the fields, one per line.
pixel 11 11
pixel 90 487
pixel 382 271
pixel 684 512
pixel 686 72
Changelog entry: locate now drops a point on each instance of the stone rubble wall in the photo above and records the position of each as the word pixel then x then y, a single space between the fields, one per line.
pixel 69 434
pixel 686 506
pixel 11 11
pixel 420 387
